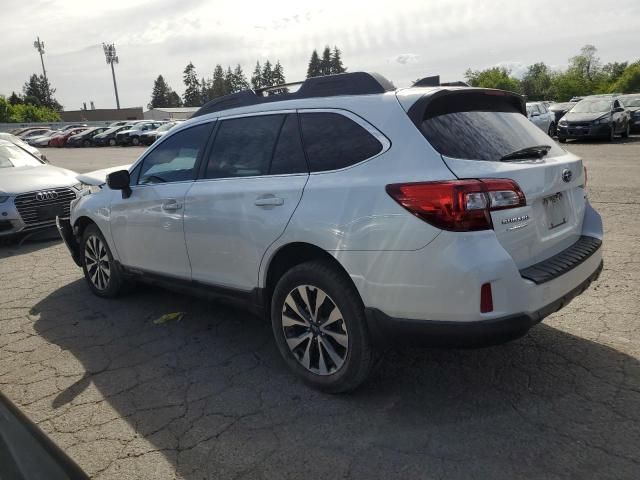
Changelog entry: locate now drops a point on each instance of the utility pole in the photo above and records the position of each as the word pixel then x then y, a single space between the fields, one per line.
pixel 111 57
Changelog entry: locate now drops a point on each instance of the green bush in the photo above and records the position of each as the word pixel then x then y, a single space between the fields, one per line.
pixel 22 113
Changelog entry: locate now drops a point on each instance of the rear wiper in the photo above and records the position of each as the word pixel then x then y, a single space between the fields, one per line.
pixel 535 151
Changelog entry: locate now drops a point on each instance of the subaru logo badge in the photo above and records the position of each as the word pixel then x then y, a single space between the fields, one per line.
pixel 567 175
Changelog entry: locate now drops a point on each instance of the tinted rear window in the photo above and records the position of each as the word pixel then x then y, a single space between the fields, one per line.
pixel 333 141
pixel 480 128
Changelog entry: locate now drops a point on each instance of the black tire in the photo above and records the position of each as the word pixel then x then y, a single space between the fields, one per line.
pixel 135 141
pixel 612 134
pixel 552 130
pixel 626 131
pixel 86 143
pixel 112 142
pixel 562 139
pixel 101 284
pixel 357 359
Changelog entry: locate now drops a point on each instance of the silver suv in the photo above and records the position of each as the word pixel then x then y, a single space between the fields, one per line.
pixel 352 214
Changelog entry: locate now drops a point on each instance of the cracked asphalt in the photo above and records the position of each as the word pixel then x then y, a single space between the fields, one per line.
pixel 209 397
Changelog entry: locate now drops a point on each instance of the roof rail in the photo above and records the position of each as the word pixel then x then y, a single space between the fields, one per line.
pixel 356 83
pixel 434 81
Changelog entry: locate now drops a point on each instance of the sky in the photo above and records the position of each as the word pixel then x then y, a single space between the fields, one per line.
pixel 401 40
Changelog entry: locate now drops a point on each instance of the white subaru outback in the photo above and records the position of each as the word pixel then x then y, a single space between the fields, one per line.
pixel 352 214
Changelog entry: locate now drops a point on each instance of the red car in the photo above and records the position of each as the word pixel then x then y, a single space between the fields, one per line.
pixel 60 140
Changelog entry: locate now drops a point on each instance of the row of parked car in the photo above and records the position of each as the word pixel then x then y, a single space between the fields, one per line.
pixel 124 133
pixel 595 116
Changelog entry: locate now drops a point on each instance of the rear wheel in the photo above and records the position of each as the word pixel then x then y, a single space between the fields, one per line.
pixel 86 143
pixel 320 329
pixel 100 271
pixel 112 142
pixel 626 131
pixel 135 141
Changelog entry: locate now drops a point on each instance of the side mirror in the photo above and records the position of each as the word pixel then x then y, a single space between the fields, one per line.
pixel 618 109
pixel 120 181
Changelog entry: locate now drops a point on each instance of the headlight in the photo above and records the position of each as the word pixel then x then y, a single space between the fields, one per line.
pixel 563 123
pixel 86 189
pixel 601 120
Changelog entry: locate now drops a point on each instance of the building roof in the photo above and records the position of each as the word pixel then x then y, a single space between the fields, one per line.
pixel 176 109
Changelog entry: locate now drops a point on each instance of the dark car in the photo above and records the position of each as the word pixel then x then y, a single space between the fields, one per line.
pixel 632 103
pixel 595 117
pixel 559 109
pixel 84 138
pixel 108 137
pixel 131 136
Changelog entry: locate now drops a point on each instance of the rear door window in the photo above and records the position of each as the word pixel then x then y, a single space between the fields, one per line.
pixel 333 141
pixel 288 156
pixel 480 127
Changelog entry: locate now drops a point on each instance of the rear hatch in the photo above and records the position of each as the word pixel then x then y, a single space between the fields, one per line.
pixel 486 134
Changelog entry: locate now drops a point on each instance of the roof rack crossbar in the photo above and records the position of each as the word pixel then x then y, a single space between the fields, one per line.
pixel 356 83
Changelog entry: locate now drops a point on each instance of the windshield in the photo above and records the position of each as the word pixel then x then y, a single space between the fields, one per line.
pixel 631 101
pixel 483 134
pixel 12 156
pixel 592 106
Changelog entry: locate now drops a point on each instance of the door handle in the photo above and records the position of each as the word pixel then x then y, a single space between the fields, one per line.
pixel 269 201
pixel 171 205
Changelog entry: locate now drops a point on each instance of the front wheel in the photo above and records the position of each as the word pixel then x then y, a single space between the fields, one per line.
pixel 320 328
pixel 100 271
pixel 562 139
pixel 552 130
pixel 112 142
pixel 135 141
pixel 612 134
pixel 86 143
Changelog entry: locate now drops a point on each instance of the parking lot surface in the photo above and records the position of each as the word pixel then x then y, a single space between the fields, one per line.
pixel 209 397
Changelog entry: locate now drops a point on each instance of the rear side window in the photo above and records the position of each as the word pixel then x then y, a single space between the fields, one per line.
pixel 288 157
pixel 333 141
pixel 480 127
pixel 244 147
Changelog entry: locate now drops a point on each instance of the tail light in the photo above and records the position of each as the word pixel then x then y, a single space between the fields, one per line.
pixel 486 298
pixel 458 205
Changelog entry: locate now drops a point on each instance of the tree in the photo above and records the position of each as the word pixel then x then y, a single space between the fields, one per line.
pixel 536 83
pixel 162 95
pixel 586 63
pixel 313 70
pixel 256 77
pixel 495 77
pixel 336 61
pixel 267 74
pixel 218 84
pixel 614 70
pixel 325 63
pixel 15 99
pixel 629 81
pixel 38 91
pixel 205 90
pixel 5 110
pixel 22 113
pixel 240 79
pixel 192 93
pixel 278 74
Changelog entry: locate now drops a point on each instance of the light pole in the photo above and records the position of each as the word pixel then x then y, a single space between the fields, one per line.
pixel 39 46
pixel 111 57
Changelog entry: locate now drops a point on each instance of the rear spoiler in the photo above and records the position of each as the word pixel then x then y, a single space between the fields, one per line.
pixel 464 99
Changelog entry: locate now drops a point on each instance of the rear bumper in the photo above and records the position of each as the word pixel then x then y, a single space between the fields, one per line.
pixel 386 330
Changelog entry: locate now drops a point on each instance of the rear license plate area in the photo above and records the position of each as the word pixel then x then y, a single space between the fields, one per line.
pixel 555 207
pixel 50 212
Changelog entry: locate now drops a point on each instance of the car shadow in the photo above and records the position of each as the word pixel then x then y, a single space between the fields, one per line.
pixel 28 243
pixel 211 394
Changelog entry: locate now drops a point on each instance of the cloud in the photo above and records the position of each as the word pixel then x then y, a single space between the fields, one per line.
pixel 405 58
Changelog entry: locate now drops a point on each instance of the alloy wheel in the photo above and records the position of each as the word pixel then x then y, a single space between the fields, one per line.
pixel 315 330
pixel 96 261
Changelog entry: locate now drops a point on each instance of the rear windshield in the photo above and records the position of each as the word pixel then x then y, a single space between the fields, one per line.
pixel 480 127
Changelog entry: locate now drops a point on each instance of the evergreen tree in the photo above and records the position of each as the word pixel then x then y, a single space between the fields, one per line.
pixel 15 99
pixel 159 94
pixel 267 75
pixel 192 93
pixel 229 81
pixel 325 63
pixel 173 99
pixel 336 61
pixel 256 77
pixel 205 91
pixel 218 84
pixel 313 70
pixel 241 82
pixel 278 74
pixel 38 87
